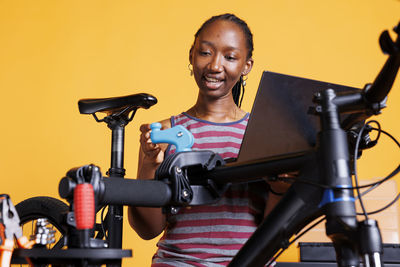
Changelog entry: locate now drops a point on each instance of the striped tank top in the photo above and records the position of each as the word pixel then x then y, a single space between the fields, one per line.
pixel 211 235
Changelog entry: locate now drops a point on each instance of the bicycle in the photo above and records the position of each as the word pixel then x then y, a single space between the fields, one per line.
pixel 200 177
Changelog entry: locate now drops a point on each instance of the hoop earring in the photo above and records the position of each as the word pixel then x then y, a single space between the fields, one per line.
pixel 190 67
pixel 244 79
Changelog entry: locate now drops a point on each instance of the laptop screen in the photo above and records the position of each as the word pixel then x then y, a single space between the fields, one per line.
pixel 279 123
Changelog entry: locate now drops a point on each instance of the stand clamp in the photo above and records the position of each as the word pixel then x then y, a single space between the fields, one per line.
pixel 183 172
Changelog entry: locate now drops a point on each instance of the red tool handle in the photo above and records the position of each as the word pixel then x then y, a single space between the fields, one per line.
pixel 84 206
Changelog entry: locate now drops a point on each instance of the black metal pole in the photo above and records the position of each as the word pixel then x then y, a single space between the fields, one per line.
pixel 338 204
pixel 298 207
pixel 253 170
pixel 115 212
pixel 117 152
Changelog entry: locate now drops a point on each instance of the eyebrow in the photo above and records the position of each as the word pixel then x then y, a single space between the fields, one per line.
pixel 211 44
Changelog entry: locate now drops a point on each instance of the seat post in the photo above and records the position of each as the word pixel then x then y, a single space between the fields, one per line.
pixel 117 152
pixel 119 112
pixel 115 212
pixel 117 125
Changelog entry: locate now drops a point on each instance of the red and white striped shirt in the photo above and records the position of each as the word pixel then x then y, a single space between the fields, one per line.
pixel 210 235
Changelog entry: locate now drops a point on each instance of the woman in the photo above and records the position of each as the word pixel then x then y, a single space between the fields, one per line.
pixel 221 57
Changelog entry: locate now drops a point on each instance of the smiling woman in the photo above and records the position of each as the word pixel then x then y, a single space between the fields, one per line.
pixel 221 55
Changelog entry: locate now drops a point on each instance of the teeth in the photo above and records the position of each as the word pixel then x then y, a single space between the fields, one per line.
pixel 212 79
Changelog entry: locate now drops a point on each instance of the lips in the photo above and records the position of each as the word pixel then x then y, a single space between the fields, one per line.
pixel 213 82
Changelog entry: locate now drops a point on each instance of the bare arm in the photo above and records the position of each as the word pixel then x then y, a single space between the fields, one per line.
pixel 148 222
pixel 278 187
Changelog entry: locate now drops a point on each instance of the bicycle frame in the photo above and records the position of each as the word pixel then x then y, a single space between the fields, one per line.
pixel 303 203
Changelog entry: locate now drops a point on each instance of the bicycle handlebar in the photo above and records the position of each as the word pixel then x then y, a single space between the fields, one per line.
pixel 385 79
pixel 143 193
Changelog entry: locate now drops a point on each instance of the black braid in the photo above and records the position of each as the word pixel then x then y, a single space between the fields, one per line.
pixel 238 88
pixel 237 91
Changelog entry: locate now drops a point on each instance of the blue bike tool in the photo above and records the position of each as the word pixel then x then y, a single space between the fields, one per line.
pixel 177 135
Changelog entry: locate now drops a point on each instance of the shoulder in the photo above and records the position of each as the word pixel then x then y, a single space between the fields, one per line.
pixel 242 114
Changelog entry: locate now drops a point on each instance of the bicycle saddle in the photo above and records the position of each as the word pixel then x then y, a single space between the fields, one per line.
pixel 111 104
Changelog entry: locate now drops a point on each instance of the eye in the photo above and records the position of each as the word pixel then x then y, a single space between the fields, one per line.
pixel 230 57
pixel 205 53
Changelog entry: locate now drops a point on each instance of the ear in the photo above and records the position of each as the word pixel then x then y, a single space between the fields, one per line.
pixel 190 55
pixel 248 66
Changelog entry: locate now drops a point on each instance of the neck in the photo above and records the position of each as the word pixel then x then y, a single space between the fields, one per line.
pixel 216 110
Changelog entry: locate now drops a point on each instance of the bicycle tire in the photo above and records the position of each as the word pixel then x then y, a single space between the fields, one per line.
pixel 52 209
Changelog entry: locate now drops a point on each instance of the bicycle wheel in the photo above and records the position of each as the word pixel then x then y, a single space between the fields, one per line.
pixel 52 209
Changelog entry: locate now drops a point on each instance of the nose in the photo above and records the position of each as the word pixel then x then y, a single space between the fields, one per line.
pixel 216 64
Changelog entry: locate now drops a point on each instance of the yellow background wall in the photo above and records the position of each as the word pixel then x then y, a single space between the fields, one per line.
pixel 53 53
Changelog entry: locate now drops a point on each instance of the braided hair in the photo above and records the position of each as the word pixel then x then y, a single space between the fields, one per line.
pixel 238 88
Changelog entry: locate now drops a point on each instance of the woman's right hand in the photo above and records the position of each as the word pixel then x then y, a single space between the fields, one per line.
pixel 148 222
pixel 153 153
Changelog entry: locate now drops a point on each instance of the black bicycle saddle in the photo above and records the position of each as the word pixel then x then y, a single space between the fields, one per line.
pixel 111 104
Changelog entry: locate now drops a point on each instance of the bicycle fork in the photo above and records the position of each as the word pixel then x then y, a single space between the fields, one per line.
pixel 349 237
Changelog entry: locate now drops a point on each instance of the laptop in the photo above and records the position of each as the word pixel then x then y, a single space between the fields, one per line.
pixel 279 123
